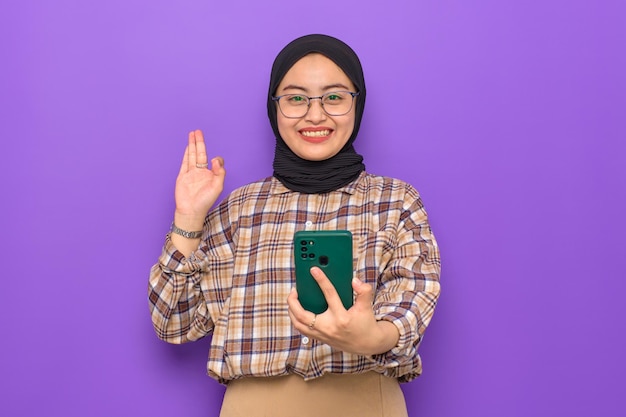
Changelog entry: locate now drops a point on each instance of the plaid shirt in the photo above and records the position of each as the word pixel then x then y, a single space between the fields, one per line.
pixel 235 285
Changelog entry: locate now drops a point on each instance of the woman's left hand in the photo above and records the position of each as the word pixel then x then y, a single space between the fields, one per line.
pixel 355 330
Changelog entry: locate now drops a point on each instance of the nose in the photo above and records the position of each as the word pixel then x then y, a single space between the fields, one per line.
pixel 316 111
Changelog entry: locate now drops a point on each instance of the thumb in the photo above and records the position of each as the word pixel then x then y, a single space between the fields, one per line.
pixel 364 293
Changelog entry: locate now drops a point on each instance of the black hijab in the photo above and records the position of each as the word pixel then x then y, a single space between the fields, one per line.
pixel 313 177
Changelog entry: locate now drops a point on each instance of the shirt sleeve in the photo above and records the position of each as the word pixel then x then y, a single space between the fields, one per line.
pixel 175 295
pixel 408 287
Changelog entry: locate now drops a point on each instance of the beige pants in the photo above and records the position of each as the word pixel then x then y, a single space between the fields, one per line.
pixel 358 395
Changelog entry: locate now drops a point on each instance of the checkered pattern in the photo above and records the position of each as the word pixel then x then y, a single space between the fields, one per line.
pixel 236 284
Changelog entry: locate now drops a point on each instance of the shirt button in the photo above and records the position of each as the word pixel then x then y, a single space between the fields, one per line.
pixel 305 340
pixel 309 223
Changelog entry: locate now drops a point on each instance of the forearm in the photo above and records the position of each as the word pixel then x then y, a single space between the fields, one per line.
pixel 387 339
pixel 183 244
pixel 170 322
pixel 175 298
pixel 381 339
pixel 409 312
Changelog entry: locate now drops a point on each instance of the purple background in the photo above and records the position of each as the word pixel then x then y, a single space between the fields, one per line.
pixel 508 116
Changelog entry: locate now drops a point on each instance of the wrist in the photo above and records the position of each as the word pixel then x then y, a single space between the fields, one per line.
pixel 389 336
pixel 189 234
pixel 189 222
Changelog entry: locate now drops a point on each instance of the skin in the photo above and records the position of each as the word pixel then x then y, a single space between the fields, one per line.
pixel 197 190
pixel 355 330
pixel 315 75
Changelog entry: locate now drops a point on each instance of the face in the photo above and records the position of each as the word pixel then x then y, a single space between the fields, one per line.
pixel 315 136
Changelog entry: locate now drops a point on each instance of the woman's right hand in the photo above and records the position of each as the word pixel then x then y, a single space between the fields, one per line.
pixel 197 186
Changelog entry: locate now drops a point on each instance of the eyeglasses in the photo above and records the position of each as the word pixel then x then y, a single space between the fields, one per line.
pixel 335 103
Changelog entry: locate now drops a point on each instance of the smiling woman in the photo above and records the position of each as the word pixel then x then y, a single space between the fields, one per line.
pixel 307 128
pixel 231 272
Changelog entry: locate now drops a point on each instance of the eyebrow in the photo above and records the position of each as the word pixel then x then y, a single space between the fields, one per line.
pixel 306 90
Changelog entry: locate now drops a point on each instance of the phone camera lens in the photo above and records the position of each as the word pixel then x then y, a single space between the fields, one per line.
pixel 303 256
pixel 303 242
pixel 311 255
pixel 304 249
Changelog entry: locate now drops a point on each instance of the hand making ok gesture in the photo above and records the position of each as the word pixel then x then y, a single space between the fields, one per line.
pixel 198 186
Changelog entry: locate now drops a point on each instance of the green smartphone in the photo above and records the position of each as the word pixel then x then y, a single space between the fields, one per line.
pixel 331 251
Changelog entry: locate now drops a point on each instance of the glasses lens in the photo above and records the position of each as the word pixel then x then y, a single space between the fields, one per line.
pixel 337 103
pixel 294 105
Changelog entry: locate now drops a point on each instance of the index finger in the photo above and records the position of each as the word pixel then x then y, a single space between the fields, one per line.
pixel 294 305
pixel 328 289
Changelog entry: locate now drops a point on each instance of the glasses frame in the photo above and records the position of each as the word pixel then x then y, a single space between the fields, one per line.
pixel 320 98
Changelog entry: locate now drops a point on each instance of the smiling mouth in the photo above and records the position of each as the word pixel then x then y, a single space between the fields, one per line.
pixel 315 133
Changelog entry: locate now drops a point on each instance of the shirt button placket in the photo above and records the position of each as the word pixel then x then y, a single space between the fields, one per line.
pixel 305 353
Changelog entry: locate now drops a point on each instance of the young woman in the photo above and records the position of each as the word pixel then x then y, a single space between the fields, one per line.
pixel 231 272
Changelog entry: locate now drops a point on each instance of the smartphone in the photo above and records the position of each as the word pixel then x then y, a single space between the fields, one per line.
pixel 331 251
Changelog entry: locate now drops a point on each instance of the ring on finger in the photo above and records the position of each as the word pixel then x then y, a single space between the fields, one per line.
pixel 312 325
pixel 205 165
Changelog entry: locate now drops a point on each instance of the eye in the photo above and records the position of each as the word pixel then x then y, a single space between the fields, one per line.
pixel 296 99
pixel 333 98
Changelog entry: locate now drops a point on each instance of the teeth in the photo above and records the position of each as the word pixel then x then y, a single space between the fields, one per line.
pixel 315 134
